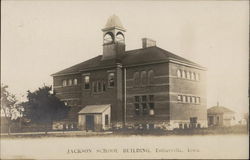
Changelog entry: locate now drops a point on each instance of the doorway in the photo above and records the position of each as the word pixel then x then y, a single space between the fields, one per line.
pixel 90 122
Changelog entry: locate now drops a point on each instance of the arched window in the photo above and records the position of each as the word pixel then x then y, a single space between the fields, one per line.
pixel 108 38
pixel 75 81
pixel 197 77
pixel 192 76
pixel 193 99
pixel 136 79
pixel 178 73
pixel 188 75
pixel 144 77
pixel 151 77
pixel 70 82
pixel 179 98
pixel 183 74
pixel 188 99
pixel 64 83
pixel 120 37
pixel 183 98
pixel 197 99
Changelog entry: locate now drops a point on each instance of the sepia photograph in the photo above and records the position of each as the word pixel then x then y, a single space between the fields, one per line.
pixel 124 79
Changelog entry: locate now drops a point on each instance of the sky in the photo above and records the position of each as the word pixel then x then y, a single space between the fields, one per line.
pixel 39 38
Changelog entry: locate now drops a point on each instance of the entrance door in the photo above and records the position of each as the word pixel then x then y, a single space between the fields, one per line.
pixel 90 122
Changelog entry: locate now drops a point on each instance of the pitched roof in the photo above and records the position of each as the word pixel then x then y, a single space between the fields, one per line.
pixel 132 57
pixel 219 109
pixel 94 108
pixel 114 22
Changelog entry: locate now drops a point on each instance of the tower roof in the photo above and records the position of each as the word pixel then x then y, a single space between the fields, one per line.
pixel 113 22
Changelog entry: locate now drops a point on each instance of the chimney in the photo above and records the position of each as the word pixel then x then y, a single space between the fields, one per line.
pixel 146 42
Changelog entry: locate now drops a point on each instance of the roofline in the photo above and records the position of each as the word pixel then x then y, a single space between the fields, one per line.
pixel 134 65
pixel 173 60
pixel 114 27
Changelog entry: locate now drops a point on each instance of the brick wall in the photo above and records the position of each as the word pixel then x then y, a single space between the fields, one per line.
pixel 183 86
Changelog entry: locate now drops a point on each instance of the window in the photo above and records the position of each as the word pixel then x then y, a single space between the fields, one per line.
pixel 151 77
pixel 179 98
pixel 193 100
pixel 151 98
pixel 70 82
pixel 178 73
pixel 86 82
pixel 144 77
pixel 108 38
pixel 137 99
pixel 197 77
pixel 188 99
pixel 94 86
pixel 75 81
pixel 99 86
pixel 136 79
pixel 184 98
pixel 151 109
pixel 188 75
pixel 144 109
pixel 197 99
pixel 104 86
pixel 183 74
pixel 144 98
pixel 106 119
pixel 137 109
pixel 64 83
pixel 192 76
pixel 111 81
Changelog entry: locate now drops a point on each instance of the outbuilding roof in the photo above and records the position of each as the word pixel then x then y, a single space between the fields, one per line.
pixel 140 56
pixel 219 110
pixel 94 108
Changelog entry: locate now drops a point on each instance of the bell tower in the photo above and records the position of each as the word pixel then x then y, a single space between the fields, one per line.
pixel 113 38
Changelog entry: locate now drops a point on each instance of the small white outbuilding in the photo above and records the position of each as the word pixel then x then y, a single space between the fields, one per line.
pixel 95 117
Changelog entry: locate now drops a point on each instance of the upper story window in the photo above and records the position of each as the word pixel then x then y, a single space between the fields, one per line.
pixel 184 98
pixel 111 79
pixel 183 74
pixel 144 77
pixel 188 75
pixel 64 82
pixel 136 78
pixel 197 99
pixel 75 81
pixel 178 73
pixel 151 77
pixel 86 82
pixel 193 100
pixel 70 82
pixel 179 98
pixel 197 77
pixel 192 76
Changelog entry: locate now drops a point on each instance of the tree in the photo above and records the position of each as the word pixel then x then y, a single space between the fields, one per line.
pixel 10 109
pixel 44 107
